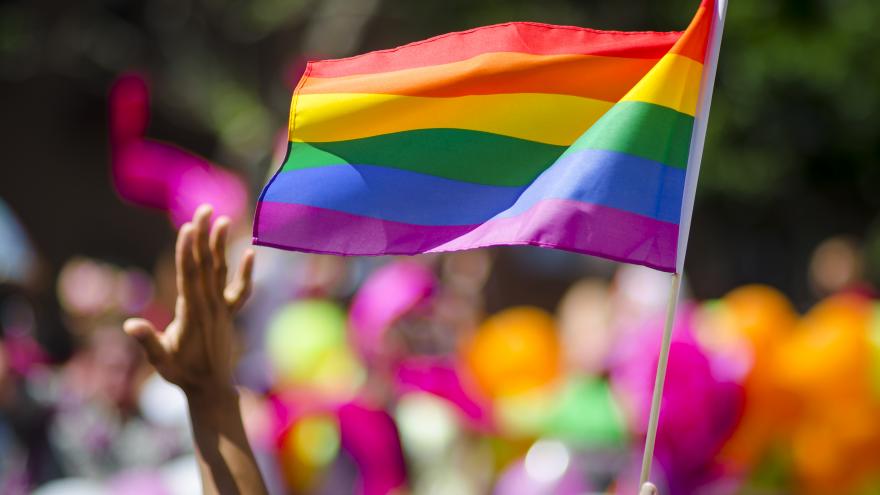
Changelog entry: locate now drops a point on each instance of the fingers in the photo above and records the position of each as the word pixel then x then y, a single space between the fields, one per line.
pixel 145 333
pixel 240 288
pixel 218 252
pixel 203 254
pixel 187 273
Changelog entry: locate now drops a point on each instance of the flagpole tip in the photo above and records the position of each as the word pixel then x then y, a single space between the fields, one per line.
pixel 648 489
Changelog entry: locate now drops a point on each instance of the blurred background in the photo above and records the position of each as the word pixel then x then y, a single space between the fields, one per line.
pixel 507 371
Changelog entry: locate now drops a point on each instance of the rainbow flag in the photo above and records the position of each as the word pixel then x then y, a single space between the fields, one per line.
pixel 518 133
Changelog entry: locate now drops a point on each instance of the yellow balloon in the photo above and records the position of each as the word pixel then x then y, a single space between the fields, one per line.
pixel 307 346
pixel 307 449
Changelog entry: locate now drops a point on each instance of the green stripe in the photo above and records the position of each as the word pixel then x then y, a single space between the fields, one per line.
pixel 642 129
pixel 470 156
pixel 636 128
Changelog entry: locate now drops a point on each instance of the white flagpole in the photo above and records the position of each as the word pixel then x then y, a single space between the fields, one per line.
pixel 659 379
pixel 698 139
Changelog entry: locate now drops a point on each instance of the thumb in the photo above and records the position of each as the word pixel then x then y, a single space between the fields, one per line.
pixel 145 333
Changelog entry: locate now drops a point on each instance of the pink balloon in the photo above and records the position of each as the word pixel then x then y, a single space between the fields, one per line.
pixel 369 435
pixel 160 175
pixel 438 376
pixel 389 293
pixel 700 408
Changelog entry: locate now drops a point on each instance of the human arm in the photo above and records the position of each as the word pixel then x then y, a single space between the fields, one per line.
pixel 196 352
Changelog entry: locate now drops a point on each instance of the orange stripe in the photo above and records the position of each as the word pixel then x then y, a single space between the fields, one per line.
pixel 692 43
pixel 596 77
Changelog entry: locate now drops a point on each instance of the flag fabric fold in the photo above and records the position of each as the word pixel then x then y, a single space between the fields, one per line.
pixel 513 134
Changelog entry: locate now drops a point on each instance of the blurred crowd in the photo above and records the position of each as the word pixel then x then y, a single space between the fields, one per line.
pixel 386 375
pixel 412 375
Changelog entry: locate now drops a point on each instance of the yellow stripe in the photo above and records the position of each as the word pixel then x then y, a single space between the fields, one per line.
pixel 674 82
pixel 545 118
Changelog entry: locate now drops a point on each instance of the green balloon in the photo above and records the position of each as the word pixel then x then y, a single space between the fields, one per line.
pixel 301 336
pixel 587 415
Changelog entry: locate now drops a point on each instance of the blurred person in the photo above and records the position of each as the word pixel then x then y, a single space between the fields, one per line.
pixel 26 458
pixel 197 353
pixel 838 265
pixel 584 315
pixel 100 422
pixel 31 337
pixel 462 302
pixel 103 419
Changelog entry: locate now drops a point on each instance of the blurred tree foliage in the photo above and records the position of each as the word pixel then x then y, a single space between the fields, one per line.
pixel 792 155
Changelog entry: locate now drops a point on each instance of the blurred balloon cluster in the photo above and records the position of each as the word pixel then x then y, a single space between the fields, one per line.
pixel 425 375
pixel 390 376
pixel 405 396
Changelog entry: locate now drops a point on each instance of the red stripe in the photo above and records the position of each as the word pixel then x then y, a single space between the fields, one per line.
pixel 694 41
pixel 522 37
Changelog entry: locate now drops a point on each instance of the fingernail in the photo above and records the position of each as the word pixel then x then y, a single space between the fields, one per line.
pixel 204 210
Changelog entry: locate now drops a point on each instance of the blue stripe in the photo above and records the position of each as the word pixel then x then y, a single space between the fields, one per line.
pixel 607 178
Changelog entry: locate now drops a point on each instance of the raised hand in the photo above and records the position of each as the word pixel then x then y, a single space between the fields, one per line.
pixel 196 351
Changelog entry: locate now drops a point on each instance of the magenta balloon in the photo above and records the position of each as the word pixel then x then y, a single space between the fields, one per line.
pixel 370 437
pixel 700 406
pixel 439 377
pixel 205 183
pixel 388 294
pixel 159 175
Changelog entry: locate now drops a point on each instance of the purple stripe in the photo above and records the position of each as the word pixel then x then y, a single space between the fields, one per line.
pixel 562 224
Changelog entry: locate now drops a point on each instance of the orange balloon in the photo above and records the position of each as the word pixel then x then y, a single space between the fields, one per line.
pixel 763 318
pixel 516 350
pixel 827 364
pixel 809 391
pixel 762 314
pixel 830 354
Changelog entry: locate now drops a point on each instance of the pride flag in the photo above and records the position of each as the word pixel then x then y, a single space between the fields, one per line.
pixel 518 133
